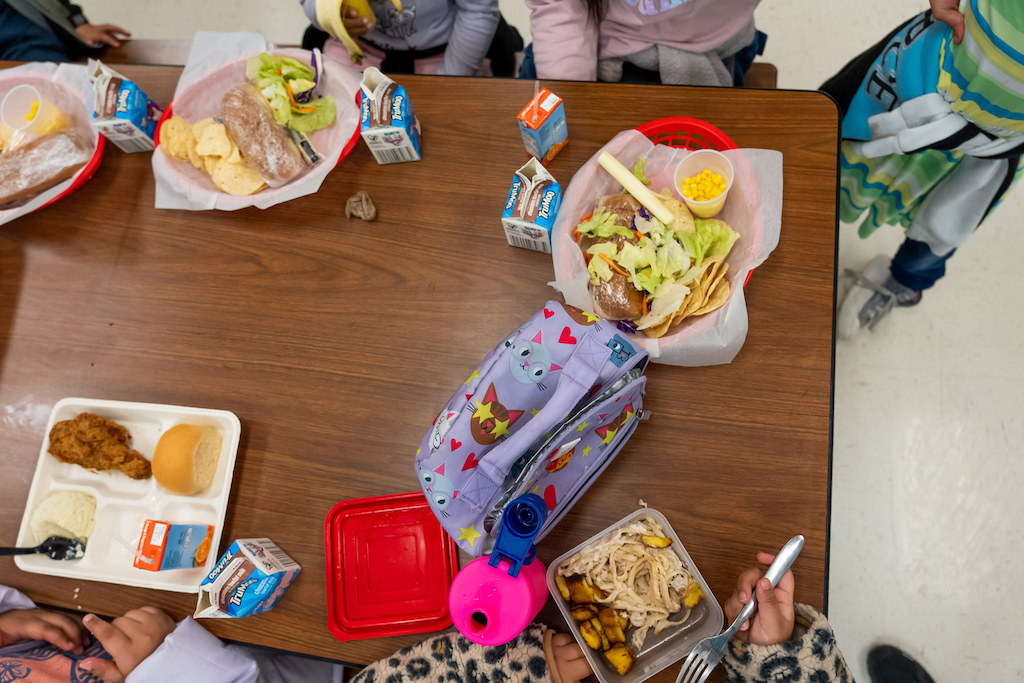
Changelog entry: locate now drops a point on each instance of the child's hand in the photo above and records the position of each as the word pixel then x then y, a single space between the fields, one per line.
pixel 948 12
pixel 355 23
pixel 128 639
pixel 569 658
pixel 61 630
pixel 772 623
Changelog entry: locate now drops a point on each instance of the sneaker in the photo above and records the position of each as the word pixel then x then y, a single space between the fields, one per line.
pixel 888 664
pixel 874 293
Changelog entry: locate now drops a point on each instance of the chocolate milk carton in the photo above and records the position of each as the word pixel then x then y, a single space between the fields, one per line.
pixel 250 578
pixel 531 207
pixel 386 119
pixel 123 114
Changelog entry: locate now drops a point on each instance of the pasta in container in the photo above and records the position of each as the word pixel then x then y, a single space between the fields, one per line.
pixel 633 598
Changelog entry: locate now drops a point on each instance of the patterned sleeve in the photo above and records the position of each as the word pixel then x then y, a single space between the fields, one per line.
pixel 450 656
pixel 813 657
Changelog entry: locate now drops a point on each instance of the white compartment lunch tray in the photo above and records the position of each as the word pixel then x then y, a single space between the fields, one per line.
pixel 123 504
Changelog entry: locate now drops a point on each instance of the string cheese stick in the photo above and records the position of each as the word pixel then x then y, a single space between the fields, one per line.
pixel 651 201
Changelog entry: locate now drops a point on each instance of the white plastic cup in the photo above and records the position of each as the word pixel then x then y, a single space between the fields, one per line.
pixel 23 108
pixel 695 162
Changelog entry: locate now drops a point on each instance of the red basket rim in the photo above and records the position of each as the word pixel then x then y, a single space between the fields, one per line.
pixel 87 171
pixel 690 124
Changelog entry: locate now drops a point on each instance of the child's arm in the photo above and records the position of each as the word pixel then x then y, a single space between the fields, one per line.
pixel 147 646
pixel 452 657
pixel 21 621
pixel 564 40
pixel 809 653
pixel 475 23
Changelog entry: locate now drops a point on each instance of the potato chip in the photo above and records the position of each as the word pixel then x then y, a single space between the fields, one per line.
pixel 213 141
pixel 237 178
pixel 174 136
pixel 199 126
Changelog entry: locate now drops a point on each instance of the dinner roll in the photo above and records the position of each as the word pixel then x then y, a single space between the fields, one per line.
pixel 185 458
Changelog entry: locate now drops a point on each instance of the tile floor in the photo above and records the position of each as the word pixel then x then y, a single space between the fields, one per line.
pixel 926 534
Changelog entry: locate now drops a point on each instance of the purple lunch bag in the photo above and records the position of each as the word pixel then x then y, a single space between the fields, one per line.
pixel 544 412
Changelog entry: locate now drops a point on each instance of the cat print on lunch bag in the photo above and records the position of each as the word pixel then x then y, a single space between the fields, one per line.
pixel 585 318
pixel 622 350
pixel 607 432
pixel 442 424
pixel 529 361
pixel 440 489
pixel 491 420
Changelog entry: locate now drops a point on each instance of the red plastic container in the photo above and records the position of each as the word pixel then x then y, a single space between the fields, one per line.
pixel 390 566
pixel 686 132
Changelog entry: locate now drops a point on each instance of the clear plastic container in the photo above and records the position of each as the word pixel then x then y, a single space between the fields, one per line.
pixel 659 651
pixel 695 162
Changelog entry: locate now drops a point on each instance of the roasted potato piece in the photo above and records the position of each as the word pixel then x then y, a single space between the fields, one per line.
pixel 608 617
pixel 621 657
pixel 590 636
pixel 563 588
pixel 583 612
pixel 605 644
pixel 623 623
pixel 615 634
pixel 692 595
pixel 580 590
pixel 656 541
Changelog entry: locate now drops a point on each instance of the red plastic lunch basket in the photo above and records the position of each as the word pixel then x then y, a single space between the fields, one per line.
pixel 686 132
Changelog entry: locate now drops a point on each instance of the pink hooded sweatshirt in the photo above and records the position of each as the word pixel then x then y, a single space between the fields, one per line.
pixel 567 45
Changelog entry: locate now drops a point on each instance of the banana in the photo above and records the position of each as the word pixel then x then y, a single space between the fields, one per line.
pixel 329 13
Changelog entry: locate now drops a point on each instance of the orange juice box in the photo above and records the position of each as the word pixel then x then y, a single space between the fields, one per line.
pixel 165 546
pixel 531 207
pixel 387 122
pixel 542 125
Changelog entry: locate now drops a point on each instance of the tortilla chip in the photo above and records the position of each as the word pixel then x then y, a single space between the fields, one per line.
pixel 717 299
pixel 660 329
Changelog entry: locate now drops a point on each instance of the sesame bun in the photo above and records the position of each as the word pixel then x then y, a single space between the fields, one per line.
pixel 185 458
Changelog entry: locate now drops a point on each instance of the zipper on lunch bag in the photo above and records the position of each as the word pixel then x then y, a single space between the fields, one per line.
pixel 524 468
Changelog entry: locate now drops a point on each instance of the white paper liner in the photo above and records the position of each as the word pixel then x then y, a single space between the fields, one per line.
pixel 753 209
pixel 216 63
pixel 68 87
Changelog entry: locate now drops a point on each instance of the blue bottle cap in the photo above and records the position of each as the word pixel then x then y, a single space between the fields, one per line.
pixel 520 524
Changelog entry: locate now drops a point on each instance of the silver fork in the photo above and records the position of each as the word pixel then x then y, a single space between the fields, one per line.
pixel 709 652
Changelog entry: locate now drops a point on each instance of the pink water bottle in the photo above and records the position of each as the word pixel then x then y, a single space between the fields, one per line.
pixel 493 599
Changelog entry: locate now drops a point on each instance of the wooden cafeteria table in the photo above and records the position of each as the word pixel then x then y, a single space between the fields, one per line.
pixel 337 341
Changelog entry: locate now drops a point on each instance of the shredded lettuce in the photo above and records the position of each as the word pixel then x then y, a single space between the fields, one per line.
pixel 598 268
pixel 274 76
pixel 602 224
pixel 712 237
pixel 638 171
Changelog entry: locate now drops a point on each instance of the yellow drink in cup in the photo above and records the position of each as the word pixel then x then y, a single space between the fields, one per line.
pixel 24 109
pixel 703 179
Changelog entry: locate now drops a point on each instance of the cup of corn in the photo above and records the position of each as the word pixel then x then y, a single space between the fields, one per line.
pixel 703 179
